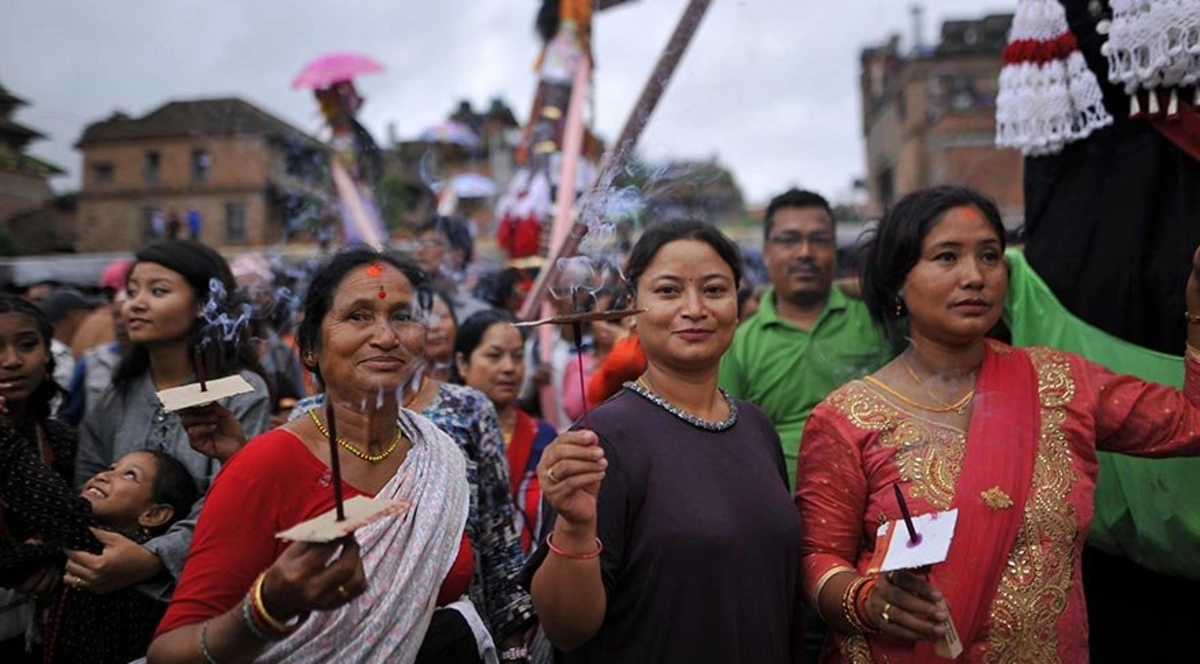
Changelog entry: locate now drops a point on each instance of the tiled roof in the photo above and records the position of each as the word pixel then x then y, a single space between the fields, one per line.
pixel 201 117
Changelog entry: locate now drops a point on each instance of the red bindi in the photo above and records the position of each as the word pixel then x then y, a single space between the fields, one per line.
pixel 374 270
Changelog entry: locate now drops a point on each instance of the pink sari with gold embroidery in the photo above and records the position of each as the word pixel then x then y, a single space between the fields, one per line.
pixel 1022 477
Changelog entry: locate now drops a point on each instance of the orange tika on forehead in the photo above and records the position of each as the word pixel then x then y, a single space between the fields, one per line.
pixel 376 270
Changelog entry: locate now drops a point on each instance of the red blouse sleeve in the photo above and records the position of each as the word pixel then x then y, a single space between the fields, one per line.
pixel 1143 418
pixel 272 484
pixel 831 496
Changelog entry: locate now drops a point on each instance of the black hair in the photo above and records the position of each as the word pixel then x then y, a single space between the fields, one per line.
pixel 174 486
pixel 891 249
pixel 793 198
pixel 458 234
pixel 664 233
pixel 470 335
pixel 324 285
pixel 38 406
pixel 447 298
pixel 198 264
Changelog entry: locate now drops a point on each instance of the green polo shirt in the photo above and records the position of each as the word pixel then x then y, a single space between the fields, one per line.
pixel 787 371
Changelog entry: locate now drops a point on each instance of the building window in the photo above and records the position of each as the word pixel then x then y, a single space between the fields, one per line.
pixel 150 167
pixel 235 223
pixel 102 172
pixel 201 162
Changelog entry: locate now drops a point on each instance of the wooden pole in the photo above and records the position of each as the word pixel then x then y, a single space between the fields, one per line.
pixel 615 161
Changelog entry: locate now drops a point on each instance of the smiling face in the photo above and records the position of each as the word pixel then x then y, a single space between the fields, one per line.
pixel 160 306
pixel 370 344
pixel 23 358
pixel 497 365
pixel 123 494
pixel 955 293
pixel 690 297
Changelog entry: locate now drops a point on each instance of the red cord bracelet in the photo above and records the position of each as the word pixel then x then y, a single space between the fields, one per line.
pixel 573 556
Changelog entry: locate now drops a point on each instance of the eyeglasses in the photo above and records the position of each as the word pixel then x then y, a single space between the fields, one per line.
pixel 793 240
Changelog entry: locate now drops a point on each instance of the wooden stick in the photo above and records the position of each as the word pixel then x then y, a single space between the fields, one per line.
pixel 198 361
pixel 335 465
pixel 615 161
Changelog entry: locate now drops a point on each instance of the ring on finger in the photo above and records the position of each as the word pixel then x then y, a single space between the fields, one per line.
pixel 341 591
pixel 78 583
pixel 550 474
pixel 886 615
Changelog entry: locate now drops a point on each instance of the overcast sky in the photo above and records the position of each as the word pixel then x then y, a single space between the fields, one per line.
pixel 768 86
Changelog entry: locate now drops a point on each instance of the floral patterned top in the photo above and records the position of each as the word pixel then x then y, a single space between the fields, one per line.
pixel 469 417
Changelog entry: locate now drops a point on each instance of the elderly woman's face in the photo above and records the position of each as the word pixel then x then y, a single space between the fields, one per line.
pixel 370 339
pixel 690 298
pixel 955 293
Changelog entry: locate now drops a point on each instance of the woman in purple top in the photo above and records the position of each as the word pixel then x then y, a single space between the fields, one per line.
pixel 675 538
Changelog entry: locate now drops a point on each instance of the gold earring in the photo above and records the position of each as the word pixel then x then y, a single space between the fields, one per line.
pixel 899 307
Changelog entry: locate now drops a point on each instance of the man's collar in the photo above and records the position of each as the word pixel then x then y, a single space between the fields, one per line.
pixel 768 313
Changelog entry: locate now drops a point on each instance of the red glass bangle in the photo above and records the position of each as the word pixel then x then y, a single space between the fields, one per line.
pixel 574 556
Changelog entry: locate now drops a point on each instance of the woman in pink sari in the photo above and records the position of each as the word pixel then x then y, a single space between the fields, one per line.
pixel 1006 436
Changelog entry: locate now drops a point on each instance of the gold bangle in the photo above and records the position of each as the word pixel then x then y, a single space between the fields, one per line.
pixel 849 608
pixel 271 621
pixel 824 579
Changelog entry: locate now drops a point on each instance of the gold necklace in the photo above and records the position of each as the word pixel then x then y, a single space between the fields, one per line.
pixel 959 406
pixel 370 458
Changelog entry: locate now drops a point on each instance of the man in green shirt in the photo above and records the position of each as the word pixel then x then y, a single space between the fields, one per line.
pixel 808 337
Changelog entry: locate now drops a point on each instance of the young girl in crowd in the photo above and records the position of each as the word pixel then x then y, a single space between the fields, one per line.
pixel 139 497
pixel 165 314
pixel 26 389
pixel 489 356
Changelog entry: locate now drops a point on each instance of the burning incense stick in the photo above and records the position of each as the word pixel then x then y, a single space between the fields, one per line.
pixel 335 465
pixel 198 361
pixel 913 537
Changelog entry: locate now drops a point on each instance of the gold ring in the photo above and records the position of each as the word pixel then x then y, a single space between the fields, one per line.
pixel 343 594
pixel 78 583
pixel 550 474
pixel 887 606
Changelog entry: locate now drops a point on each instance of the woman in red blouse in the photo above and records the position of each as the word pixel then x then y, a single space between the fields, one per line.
pixel 246 594
pixel 1006 436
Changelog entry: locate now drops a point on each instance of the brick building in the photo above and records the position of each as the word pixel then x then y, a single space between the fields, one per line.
pixel 25 192
pixel 248 174
pixel 929 117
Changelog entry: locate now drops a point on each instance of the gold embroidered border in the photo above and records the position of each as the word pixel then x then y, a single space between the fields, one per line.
pixel 1033 589
pixel 856 650
pixel 929 455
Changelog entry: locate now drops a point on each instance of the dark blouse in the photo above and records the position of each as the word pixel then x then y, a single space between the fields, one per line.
pixel 701 540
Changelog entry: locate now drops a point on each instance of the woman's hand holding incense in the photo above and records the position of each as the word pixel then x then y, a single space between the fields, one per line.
pixel 904 605
pixel 213 431
pixel 303 579
pixel 570 473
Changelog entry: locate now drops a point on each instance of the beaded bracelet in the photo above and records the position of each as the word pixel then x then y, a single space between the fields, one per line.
pixel 849 608
pixel 260 609
pixel 252 624
pixel 574 556
pixel 208 658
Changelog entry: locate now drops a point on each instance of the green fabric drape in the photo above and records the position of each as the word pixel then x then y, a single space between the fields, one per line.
pixel 1147 510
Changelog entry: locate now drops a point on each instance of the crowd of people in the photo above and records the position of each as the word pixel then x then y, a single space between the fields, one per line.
pixel 700 481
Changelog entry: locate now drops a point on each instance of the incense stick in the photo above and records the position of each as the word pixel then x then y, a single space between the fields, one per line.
pixel 577 328
pixel 198 361
pixel 913 537
pixel 335 465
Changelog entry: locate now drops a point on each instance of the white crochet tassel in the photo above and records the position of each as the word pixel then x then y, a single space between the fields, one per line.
pixel 1173 104
pixel 1135 106
pixel 1196 101
pixel 1152 107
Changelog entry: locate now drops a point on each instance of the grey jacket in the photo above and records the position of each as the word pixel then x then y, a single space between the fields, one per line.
pixel 125 422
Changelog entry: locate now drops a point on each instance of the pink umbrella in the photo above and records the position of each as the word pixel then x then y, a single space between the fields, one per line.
pixel 334 68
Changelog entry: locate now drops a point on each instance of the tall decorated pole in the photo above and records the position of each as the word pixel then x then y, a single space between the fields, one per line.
pixel 617 159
